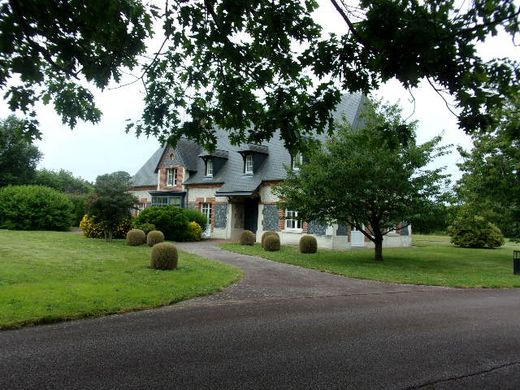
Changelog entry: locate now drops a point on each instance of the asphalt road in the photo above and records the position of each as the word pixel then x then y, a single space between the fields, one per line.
pixel 282 327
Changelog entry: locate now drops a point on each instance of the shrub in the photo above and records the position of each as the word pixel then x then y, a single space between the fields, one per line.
pixel 269 233
pixel 164 256
pixel 34 208
pixel 272 243
pixel 95 230
pixel 168 219
pixel 135 237
pixel 194 215
pixel 247 238
pixel 154 237
pixel 475 232
pixel 194 231
pixel 79 202
pixel 145 227
pixel 308 244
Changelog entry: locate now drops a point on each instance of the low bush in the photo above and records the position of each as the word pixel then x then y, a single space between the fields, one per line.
pixel 154 237
pixel 269 233
pixel 247 238
pixel 272 243
pixel 94 230
pixel 194 231
pixel 194 215
pixel 34 207
pixel 475 232
pixel 168 219
pixel 164 256
pixel 145 227
pixel 79 209
pixel 308 244
pixel 135 237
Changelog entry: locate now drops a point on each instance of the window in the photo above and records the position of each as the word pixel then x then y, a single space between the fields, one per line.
pixel 209 167
pixel 248 164
pixel 172 177
pixel 166 201
pixel 205 208
pixel 292 221
pixel 296 161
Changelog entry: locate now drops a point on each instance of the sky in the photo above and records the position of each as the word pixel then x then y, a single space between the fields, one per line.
pixel 91 150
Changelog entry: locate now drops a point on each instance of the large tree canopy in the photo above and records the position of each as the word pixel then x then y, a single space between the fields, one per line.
pixel 372 178
pixel 253 66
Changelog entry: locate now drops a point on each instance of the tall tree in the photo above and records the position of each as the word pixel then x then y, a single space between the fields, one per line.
pixel 18 156
pixel 251 66
pixel 111 203
pixel 63 181
pixel 372 178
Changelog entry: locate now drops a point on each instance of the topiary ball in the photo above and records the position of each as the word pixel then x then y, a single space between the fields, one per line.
pixel 308 244
pixel 135 237
pixel 154 237
pixel 247 238
pixel 269 233
pixel 272 243
pixel 164 256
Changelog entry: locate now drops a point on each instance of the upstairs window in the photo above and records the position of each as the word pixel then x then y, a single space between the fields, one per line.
pixel 296 161
pixel 248 164
pixel 209 167
pixel 171 179
pixel 292 222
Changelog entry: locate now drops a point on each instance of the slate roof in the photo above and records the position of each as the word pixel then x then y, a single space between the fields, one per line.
pixel 146 177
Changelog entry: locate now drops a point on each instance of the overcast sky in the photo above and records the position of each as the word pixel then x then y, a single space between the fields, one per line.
pixel 91 150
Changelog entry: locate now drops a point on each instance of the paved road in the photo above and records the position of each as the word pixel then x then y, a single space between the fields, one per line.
pixel 282 327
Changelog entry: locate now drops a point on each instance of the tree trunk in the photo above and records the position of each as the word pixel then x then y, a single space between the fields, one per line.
pixel 378 251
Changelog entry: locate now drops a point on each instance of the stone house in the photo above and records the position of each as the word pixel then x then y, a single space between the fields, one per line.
pixel 232 186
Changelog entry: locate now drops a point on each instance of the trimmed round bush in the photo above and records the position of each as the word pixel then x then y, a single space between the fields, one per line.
pixel 154 237
pixel 475 232
pixel 164 256
pixel 272 243
pixel 308 244
pixel 269 233
pixel 34 208
pixel 247 238
pixel 135 237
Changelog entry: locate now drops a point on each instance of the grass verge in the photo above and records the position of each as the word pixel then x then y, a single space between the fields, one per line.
pixel 53 276
pixel 431 261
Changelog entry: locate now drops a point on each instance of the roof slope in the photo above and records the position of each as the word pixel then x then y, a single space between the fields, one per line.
pixel 145 176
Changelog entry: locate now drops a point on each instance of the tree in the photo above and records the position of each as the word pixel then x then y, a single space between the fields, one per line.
pixel 372 178
pixel 252 66
pixel 490 182
pixel 63 181
pixel 18 156
pixel 111 203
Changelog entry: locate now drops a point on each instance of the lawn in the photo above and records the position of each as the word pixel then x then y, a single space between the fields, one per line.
pixel 52 276
pixel 431 261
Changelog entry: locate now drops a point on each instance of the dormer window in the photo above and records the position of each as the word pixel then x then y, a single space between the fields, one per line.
pixel 171 179
pixel 209 167
pixel 296 161
pixel 248 164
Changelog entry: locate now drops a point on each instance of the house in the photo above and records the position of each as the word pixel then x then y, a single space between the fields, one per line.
pixel 233 185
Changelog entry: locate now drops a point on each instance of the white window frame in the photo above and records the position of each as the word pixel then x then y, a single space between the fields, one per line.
pixel 206 209
pixel 296 161
pixel 248 164
pixel 209 167
pixel 171 177
pixel 292 222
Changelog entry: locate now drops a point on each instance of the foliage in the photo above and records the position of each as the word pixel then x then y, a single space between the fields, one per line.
pixel 18 156
pixel 168 219
pixel 164 256
pixel 474 231
pixel 195 215
pixel 194 231
pixel 79 207
pixel 93 230
pixel 34 208
pixel 247 237
pixel 135 237
pixel 271 243
pixel 308 244
pixel 145 227
pixel 43 59
pixel 491 179
pixel 268 233
pixel 435 219
pixel 63 181
pixel 253 66
pixel 371 178
pixel 154 237
pixel 111 203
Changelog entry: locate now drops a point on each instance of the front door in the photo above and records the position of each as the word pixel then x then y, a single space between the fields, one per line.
pixel 251 215
pixel 206 210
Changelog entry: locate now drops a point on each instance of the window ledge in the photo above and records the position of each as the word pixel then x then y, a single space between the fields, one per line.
pixel 293 231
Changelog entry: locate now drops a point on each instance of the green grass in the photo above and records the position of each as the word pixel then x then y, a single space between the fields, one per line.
pixel 431 261
pixel 51 276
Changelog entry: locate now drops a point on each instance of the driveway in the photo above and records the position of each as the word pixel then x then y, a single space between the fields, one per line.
pixel 282 327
